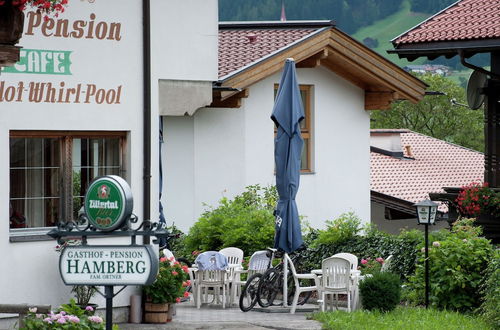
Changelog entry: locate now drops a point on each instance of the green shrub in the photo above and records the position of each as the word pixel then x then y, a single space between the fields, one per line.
pixel 490 308
pixel 246 222
pixel 346 226
pixel 374 244
pixel 456 270
pixel 381 291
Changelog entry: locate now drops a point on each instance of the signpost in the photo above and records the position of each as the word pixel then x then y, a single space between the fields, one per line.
pixel 108 206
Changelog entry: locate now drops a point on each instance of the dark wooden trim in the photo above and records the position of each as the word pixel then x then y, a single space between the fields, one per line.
pixel 9 55
pixel 56 134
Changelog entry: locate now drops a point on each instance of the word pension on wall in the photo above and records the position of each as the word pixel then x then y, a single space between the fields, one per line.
pixel 59 63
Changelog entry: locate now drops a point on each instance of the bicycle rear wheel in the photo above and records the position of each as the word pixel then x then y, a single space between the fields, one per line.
pixel 248 297
pixel 268 287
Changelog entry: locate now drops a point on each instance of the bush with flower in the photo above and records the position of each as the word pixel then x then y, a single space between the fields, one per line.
pixel 457 264
pixel 170 283
pixel 48 7
pixel 70 317
pixel 476 199
pixel 371 266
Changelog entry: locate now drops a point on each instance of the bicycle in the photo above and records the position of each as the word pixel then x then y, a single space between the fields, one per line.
pixel 270 286
pixel 263 288
pixel 248 296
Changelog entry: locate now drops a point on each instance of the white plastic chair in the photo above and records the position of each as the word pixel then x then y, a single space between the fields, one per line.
pixel 216 279
pixel 335 279
pixel 234 259
pixel 213 275
pixel 234 255
pixel 296 278
pixel 387 264
pixel 349 256
pixel 258 263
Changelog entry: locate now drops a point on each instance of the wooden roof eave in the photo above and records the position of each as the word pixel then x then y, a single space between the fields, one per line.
pixel 371 71
pixel 382 80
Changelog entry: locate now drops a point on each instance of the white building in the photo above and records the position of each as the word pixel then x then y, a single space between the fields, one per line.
pixel 223 148
pixel 73 109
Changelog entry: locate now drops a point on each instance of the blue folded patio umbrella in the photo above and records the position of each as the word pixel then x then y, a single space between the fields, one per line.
pixel 287 114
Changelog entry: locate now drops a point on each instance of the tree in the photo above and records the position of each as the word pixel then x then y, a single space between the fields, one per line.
pixel 436 115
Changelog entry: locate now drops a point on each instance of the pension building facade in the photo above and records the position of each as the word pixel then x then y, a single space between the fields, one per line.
pixel 73 109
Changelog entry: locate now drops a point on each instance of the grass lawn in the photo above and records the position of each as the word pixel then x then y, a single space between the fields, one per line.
pixel 401 318
pixel 389 28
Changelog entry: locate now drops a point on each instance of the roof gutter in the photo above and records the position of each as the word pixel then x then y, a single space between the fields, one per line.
pixel 146 19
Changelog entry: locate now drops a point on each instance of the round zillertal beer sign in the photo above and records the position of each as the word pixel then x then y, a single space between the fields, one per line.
pixel 108 202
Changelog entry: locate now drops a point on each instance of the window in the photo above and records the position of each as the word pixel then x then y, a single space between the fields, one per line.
pixel 305 127
pixel 50 172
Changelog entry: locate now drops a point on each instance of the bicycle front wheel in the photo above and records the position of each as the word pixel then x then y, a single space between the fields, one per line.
pixel 268 287
pixel 248 297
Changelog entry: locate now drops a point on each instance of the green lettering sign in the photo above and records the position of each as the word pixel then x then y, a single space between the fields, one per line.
pixel 42 61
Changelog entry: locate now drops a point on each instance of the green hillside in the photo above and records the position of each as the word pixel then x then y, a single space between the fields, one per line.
pixel 390 27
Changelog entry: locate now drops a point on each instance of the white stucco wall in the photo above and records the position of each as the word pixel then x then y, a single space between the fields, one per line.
pixel 184 42
pixel 184 46
pixel 234 149
pixel 184 39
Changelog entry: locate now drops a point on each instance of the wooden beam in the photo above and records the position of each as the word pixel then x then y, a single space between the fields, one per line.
pixel 378 100
pixel 234 101
pixel 313 61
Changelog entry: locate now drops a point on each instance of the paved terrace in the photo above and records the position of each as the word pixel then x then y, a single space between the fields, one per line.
pixel 214 317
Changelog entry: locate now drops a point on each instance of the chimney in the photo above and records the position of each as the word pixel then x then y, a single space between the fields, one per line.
pixel 408 151
pixel 252 37
pixel 387 142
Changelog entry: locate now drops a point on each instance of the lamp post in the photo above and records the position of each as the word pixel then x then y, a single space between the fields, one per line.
pixel 426 214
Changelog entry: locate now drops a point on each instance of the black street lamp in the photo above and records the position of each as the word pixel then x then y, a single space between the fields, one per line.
pixel 426 214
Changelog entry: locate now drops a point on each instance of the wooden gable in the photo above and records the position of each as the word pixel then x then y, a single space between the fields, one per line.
pixel 382 80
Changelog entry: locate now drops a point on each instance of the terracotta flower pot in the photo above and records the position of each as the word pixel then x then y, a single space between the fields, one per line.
pixel 11 24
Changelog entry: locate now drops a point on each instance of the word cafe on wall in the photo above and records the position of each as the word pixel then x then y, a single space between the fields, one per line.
pixel 83 102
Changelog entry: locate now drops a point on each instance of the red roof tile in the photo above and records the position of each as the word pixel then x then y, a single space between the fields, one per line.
pixel 464 20
pixel 436 164
pixel 240 47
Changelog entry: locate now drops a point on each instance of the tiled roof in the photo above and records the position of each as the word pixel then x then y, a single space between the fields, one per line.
pixel 436 164
pixel 240 47
pixel 464 20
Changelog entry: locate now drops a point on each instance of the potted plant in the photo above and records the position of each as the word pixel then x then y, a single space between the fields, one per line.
pixel 481 202
pixel 167 289
pixel 12 16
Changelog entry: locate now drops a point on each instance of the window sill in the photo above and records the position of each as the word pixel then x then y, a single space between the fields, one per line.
pixel 307 173
pixel 30 234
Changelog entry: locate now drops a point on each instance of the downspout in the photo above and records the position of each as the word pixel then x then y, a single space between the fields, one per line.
pixel 146 37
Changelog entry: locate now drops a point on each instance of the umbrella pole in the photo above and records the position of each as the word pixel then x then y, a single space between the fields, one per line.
pixel 285 284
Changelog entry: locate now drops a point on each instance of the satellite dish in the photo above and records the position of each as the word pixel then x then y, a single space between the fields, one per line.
pixel 475 94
